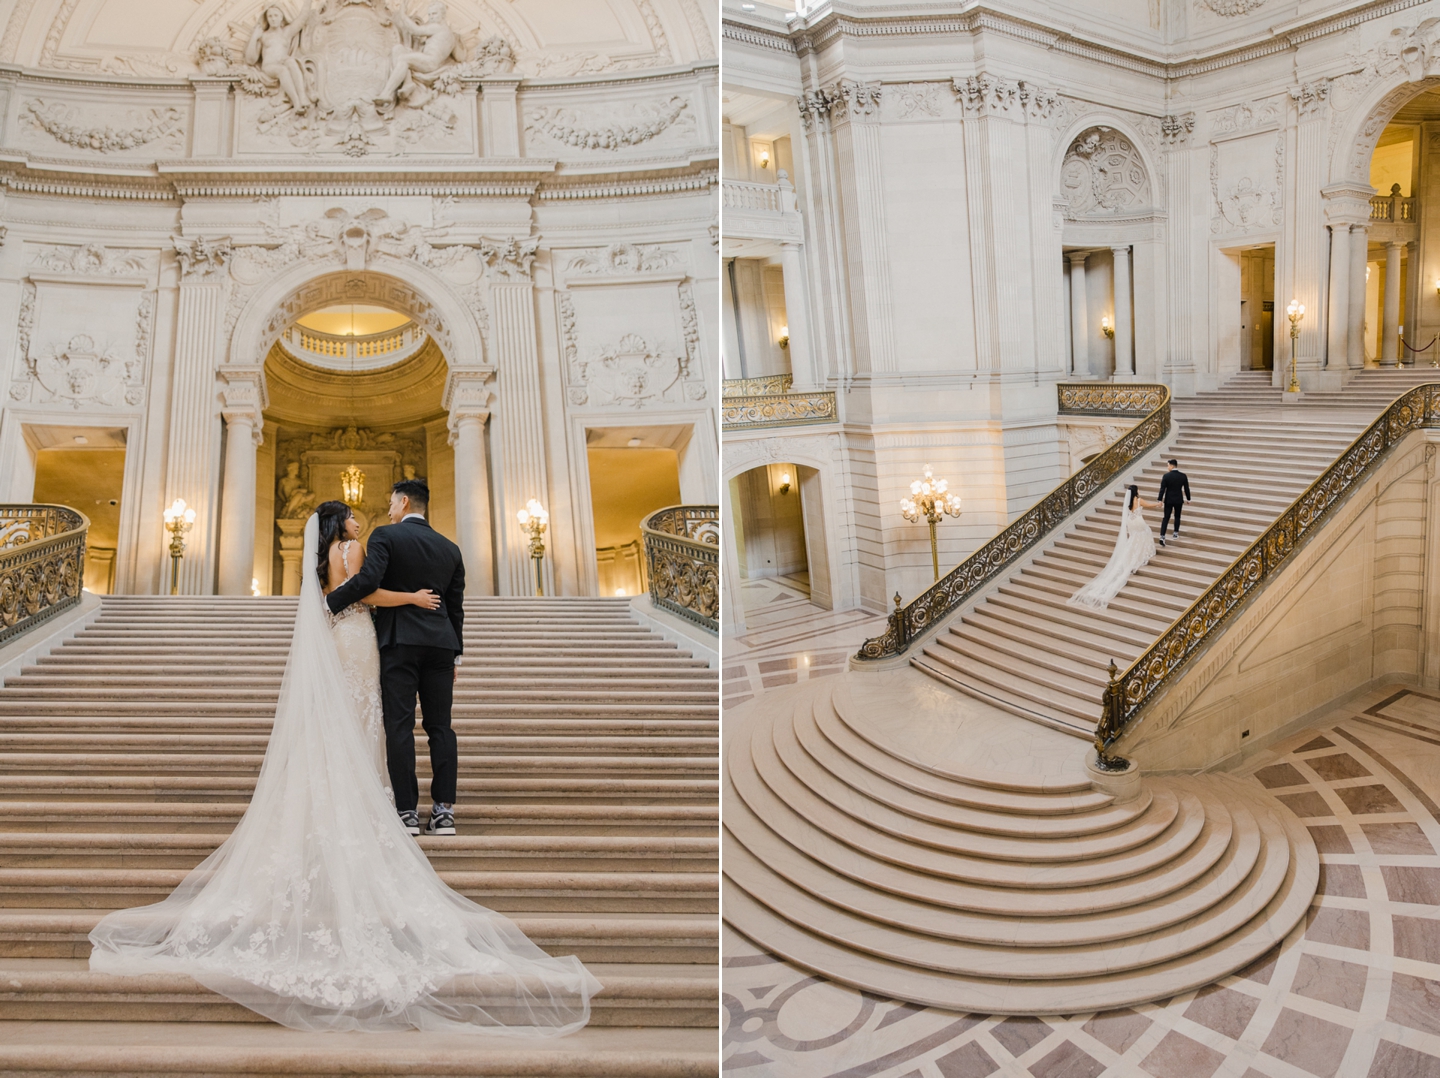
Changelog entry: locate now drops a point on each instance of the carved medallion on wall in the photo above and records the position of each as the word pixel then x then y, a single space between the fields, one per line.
pixel 81 373
pixel 1103 173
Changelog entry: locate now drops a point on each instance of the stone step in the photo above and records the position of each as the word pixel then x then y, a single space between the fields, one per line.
pixel 165 744
pixel 648 994
pixel 45 783
pixel 610 937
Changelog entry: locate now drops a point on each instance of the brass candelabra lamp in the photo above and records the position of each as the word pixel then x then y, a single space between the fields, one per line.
pixel 533 520
pixel 1294 312
pixel 931 501
pixel 179 519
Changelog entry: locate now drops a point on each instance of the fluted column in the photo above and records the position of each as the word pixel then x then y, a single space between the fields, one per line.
pixel 467 395
pixel 1359 258
pixel 244 402
pixel 797 317
pixel 194 437
pixel 1079 316
pixel 518 418
pixel 1390 318
pixel 1337 348
pixel 1124 316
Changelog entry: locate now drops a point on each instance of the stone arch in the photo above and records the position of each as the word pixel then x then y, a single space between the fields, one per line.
pixel 432 302
pixel 1360 130
pixel 1102 168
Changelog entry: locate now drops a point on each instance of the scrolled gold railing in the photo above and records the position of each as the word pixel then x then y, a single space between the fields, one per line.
pixel 1135 689
pixel 777 410
pixel 682 558
pixel 42 563
pixel 1031 528
pixel 752 387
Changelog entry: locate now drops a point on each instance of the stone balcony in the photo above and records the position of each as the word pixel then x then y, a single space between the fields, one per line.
pixel 764 212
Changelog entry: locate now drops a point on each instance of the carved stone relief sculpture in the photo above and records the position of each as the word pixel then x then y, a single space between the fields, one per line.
pixel 1230 9
pixel 1246 178
pixel 627 258
pixel 163 127
pixel 91 260
pixel 1103 173
pixel 81 374
pixel 614 128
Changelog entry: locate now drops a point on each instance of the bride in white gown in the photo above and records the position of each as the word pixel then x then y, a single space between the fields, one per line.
pixel 1134 547
pixel 319 911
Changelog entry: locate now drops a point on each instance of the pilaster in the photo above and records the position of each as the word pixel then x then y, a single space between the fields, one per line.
pixel 522 472
pixel 244 399
pixel 467 399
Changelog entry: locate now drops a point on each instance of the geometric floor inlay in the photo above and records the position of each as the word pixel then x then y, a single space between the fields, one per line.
pixel 1352 992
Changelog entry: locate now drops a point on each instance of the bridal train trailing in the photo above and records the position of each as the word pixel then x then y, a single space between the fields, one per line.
pixel 320 911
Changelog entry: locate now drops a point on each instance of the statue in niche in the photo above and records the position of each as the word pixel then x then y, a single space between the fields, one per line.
pixel 409 472
pixel 295 498
pixel 440 45
pixel 271 48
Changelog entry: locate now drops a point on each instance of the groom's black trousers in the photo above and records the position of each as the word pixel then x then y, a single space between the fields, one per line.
pixel 1165 521
pixel 407 671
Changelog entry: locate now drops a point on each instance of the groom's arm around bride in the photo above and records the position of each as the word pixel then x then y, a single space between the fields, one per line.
pixel 419 649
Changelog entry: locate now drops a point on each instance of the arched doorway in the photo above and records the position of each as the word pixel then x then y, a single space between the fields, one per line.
pixel 780 545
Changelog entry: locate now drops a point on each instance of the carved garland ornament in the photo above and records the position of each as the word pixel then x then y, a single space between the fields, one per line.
pixel 58 121
pixel 571 128
pixel 1229 9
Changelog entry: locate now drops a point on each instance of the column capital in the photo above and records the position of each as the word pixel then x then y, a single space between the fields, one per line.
pixel 509 261
pixel 243 394
pixel 202 261
pixel 468 391
pixel 1347 203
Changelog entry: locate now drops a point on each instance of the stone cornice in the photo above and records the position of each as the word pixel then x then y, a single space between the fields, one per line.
pixel 840 21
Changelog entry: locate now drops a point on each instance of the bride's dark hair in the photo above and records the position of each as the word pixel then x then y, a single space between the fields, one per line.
pixel 333 516
pixel 1134 493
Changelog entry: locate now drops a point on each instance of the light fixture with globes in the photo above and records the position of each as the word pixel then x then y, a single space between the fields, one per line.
pixel 179 519
pixel 533 520
pixel 930 501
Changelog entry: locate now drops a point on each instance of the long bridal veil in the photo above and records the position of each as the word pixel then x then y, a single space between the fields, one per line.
pixel 320 912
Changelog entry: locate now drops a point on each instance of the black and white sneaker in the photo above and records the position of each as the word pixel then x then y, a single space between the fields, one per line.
pixel 442 822
pixel 1162 540
pixel 410 820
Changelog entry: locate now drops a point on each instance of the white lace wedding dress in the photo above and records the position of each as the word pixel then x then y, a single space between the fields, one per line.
pixel 319 911
pixel 354 632
pixel 1134 547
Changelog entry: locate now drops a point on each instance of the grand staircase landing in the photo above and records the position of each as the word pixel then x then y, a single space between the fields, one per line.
pixel 587 813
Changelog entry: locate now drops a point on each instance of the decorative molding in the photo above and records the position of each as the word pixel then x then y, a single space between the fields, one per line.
pixel 1245 117
pixel 857 100
pixel 1103 174
pixel 1249 203
pixel 918 97
pixel 570 348
pixel 691 367
pixel 1229 9
pixel 509 260
pixel 1176 130
pixel 1310 96
pixel 90 260
pixel 82 374
pixel 984 94
pixel 200 258
pixel 24 327
pixel 626 258
pixel 59 122
pixel 630 373
pixel 604 130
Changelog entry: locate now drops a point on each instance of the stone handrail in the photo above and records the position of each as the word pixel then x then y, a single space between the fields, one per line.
pixel 1149 401
pixel 682 558
pixel 740 195
pixel 42 563
pixel 1393 208
pixel 1131 692
pixel 392 345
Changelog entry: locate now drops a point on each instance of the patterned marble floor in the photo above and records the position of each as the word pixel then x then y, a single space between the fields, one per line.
pixel 787 639
pixel 1353 992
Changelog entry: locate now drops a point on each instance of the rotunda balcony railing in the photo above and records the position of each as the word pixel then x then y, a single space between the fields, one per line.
pixel 339 349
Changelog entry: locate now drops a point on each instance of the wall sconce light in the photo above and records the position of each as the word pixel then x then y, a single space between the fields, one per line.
pixel 784 341
pixel 784 482
pixel 1106 328
pixel 764 157
pixel 1437 286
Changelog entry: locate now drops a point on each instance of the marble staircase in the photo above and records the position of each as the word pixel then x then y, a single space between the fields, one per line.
pixel 1373 388
pixel 1023 649
pixel 586 807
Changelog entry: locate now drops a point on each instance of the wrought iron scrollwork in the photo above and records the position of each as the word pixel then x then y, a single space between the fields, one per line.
pixel 756 387
pixel 682 555
pixel 777 410
pixel 1150 400
pixel 42 563
pixel 1141 684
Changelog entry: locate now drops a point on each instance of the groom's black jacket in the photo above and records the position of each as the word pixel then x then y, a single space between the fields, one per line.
pixel 1172 484
pixel 407 557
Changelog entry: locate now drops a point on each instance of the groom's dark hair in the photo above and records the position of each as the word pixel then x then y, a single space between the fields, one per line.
pixel 416 491
pixel 1173 462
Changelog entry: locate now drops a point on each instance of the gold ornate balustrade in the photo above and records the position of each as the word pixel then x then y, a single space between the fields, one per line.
pixel 682 558
pixel 1150 401
pixel 1133 691
pixel 751 403
pixel 42 563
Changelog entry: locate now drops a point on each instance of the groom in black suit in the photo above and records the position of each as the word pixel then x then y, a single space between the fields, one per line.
pixel 419 649
pixel 1174 492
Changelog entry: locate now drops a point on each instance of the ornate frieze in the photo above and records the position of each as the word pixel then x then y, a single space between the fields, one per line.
pixel 90 260
pixel 984 94
pixel 509 260
pixel 1245 116
pixel 619 258
pixel 140 128
pixel 1176 130
pixel 813 105
pixel 1310 96
pixel 857 100
pixel 1229 9
pixel 611 129
pixel 918 99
